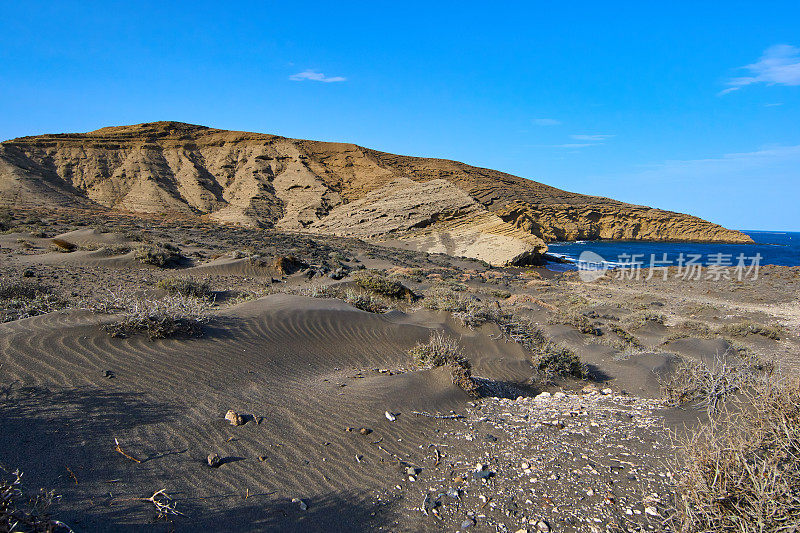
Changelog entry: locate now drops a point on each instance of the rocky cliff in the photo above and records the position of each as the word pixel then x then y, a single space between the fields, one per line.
pixel 271 181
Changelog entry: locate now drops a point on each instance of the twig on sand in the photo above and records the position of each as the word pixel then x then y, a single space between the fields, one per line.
pixel 437 416
pixel 164 504
pixel 72 474
pixel 120 450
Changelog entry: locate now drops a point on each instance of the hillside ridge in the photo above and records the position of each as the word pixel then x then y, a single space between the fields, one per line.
pixel 272 181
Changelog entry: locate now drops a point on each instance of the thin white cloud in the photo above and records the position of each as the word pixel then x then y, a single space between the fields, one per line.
pixel 574 145
pixel 757 164
pixel 776 104
pixel 312 75
pixel 591 137
pixel 778 65
pixel 546 122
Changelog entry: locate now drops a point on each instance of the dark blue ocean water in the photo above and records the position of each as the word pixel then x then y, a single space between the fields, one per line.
pixel 775 248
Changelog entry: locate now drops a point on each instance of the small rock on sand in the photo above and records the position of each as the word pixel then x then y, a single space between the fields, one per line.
pixel 234 418
pixel 213 460
pixel 300 503
pixel 390 417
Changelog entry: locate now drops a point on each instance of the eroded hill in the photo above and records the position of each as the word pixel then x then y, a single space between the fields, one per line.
pixel 344 189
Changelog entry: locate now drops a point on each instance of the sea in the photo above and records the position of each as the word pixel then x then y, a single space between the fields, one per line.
pixel 770 248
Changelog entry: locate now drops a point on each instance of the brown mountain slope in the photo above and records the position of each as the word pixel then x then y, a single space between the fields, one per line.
pixel 252 178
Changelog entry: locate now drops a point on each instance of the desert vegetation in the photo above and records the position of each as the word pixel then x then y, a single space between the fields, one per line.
pixel 157 318
pixel 161 255
pixel 740 471
pixel 23 512
pixel 383 285
pixel 186 286
pixel 23 299
pixel 442 350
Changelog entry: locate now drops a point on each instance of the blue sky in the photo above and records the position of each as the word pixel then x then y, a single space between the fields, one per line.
pixel 687 106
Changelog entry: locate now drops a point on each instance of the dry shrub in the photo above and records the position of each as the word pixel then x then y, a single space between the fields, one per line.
pixel 446 299
pixel 707 386
pixel 20 300
pixel 60 245
pixel 558 360
pixel 174 315
pixel 577 320
pixel 381 284
pixel 467 308
pixel 24 512
pixel 626 337
pixel 743 329
pixel 637 320
pixel 186 287
pixel 6 220
pixel 551 359
pixel 442 350
pixel 365 301
pixel 741 470
pixel 161 255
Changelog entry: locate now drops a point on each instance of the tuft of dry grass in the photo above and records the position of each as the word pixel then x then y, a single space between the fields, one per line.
pixel 637 320
pixel 740 472
pixel 61 245
pixel 443 350
pixel 577 320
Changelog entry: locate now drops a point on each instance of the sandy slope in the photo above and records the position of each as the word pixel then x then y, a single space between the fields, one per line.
pixel 288 359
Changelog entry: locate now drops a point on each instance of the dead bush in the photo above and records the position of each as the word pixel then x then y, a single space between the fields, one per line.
pixel 20 300
pixel 577 320
pixel 626 336
pixel 446 299
pixel 637 320
pixel 171 316
pixel 740 472
pixel 742 329
pixel 161 255
pixel 555 359
pixel 442 350
pixel 186 287
pixel 707 385
pixel 381 284
pixel 20 511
